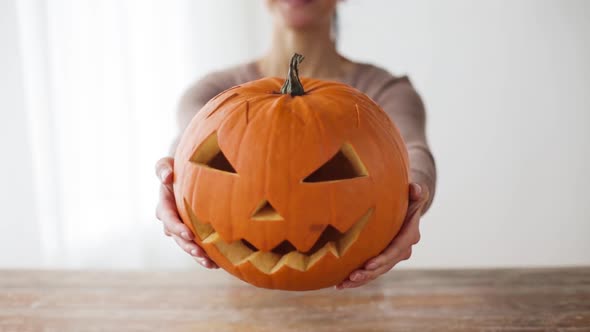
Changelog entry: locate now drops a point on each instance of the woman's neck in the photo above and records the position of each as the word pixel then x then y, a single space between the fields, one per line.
pixel 322 61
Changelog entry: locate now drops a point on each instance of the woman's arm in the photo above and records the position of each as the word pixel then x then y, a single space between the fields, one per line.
pixel 401 102
pixel 190 103
pixel 193 99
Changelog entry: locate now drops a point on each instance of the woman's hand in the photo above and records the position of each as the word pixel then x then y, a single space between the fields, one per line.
pixel 399 249
pixel 168 214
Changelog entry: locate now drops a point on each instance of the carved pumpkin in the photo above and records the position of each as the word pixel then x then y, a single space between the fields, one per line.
pixel 294 187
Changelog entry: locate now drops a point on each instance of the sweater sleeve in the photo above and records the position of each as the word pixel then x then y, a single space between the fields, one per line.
pixel 401 102
pixel 199 93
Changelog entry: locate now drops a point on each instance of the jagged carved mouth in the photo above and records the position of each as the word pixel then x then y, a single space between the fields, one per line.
pixel 331 241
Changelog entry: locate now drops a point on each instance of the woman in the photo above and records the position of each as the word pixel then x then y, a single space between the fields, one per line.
pixel 306 27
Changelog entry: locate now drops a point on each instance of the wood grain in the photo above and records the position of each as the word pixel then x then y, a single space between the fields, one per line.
pixel 403 300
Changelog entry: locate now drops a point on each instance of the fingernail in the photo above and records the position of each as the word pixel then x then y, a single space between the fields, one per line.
pixel 372 266
pixel 164 174
pixel 185 236
pixel 194 252
pixel 357 276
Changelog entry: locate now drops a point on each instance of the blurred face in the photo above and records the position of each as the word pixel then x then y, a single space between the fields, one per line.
pixel 302 14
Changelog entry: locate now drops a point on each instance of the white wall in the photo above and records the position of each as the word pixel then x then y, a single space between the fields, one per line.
pixel 506 87
pixel 19 241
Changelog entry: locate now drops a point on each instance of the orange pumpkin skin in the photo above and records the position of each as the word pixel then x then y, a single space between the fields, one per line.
pixel 273 142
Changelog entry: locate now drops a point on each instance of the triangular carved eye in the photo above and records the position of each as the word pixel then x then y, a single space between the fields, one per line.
pixel 209 154
pixel 345 164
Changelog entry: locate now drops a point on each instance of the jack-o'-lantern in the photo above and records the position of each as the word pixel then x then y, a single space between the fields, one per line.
pixel 291 186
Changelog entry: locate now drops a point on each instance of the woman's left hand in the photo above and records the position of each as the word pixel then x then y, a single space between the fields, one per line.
pixel 399 249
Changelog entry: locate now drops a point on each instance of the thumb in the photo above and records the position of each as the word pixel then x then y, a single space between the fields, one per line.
pixel 415 191
pixel 164 170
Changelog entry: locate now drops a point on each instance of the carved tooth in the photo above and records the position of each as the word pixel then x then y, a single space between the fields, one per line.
pixel 352 234
pixel 203 230
pixel 235 252
pixel 329 247
pixel 294 260
pixel 247 258
pixel 279 264
pixel 212 238
pixel 264 261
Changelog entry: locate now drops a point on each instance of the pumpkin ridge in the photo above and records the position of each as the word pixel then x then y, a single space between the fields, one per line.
pixel 233 95
pixel 293 110
pixel 275 118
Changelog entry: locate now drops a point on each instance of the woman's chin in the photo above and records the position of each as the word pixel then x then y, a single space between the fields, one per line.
pixel 302 14
pixel 299 24
pixel 296 3
pixel 299 20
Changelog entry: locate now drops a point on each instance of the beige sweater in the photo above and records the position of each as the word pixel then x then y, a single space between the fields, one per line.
pixel 396 95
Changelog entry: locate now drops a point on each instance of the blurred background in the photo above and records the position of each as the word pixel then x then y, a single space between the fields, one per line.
pixel 88 90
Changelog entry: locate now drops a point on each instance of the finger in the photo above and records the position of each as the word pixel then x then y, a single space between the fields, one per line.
pixel 396 251
pixel 168 214
pixel 415 191
pixel 348 280
pixel 167 199
pixel 190 247
pixel 363 275
pixel 206 262
pixel 351 284
pixel 370 275
pixel 164 169
pixel 357 275
pixel 408 235
pixel 166 232
pixel 344 284
pixel 391 253
pixel 355 279
pixel 173 225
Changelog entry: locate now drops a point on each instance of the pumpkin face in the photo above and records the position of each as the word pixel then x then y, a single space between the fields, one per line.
pixel 291 192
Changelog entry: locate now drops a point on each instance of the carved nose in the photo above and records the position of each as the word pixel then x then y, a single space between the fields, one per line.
pixel 266 211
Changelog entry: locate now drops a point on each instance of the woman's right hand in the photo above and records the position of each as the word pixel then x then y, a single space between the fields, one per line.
pixel 168 214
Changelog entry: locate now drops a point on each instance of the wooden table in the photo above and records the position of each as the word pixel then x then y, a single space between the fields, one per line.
pixel 403 300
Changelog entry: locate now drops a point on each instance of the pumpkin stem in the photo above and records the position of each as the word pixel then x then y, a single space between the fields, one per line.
pixel 292 84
